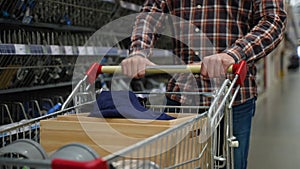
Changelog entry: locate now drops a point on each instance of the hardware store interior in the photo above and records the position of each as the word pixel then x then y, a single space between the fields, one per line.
pixel 47 52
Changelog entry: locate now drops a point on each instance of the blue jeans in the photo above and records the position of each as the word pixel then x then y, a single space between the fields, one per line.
pixel 242 119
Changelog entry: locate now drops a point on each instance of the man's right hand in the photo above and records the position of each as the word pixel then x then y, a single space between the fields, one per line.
pixel 135 66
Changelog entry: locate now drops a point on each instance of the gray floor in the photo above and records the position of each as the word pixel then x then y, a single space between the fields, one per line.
pixel 275 142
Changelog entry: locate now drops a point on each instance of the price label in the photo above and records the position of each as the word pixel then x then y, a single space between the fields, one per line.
pixel 55 50
pixel 90 50
pixel 68 50
pixel 82 50
pixel 21 49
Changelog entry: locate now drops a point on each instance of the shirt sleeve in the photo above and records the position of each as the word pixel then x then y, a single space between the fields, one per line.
pixel 266 34
pixel 147 26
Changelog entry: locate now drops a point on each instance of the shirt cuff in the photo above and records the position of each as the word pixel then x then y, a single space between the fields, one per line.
pixel 143 53
pixel 236 53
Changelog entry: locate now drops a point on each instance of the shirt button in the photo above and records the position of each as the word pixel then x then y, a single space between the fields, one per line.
pixel 197 53
pixel 199 6
pixel 197 29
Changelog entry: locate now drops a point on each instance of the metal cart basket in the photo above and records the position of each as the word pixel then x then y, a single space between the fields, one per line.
pixel 202 141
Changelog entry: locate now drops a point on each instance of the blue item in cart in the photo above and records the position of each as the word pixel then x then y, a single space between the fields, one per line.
pixel 54 108
pixel 124 104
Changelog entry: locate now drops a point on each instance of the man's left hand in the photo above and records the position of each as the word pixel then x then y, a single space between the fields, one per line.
pixel 216 65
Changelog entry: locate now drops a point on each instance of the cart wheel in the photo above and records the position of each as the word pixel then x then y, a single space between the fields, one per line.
pixel 24 148
pixel 75 151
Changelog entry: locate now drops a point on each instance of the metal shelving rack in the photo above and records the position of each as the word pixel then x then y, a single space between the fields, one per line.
pixel 40 41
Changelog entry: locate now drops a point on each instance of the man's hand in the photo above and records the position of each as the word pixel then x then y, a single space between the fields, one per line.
pixel 216 65
pixel 135 66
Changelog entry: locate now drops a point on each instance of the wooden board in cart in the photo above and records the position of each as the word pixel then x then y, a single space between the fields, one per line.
pixel 107 136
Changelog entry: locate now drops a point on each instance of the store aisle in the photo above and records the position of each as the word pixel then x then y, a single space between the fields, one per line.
pixel 275 142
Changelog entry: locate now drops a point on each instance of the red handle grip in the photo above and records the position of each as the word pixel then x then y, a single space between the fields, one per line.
pixel 93 72
pixel 240 69
pixel 68 164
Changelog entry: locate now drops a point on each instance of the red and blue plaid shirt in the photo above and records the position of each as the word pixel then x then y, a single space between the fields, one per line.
pixel 245 29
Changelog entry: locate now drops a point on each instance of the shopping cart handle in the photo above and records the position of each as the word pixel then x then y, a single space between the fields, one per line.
pixel 68 164
pixel 240 69
pixel 96 69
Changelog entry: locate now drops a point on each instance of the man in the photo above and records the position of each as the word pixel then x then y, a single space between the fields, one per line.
pixel 237 30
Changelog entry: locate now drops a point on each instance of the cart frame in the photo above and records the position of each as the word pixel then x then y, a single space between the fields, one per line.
pixel 221 152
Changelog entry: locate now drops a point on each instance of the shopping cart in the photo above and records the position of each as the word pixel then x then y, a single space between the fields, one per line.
pixel 199 142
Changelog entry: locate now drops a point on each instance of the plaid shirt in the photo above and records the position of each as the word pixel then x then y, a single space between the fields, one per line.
pixel 244 29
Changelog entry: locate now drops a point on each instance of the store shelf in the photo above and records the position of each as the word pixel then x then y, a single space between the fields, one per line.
pixel 41 42
pixel 48 26
pixel 21 49
pixel 25 89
